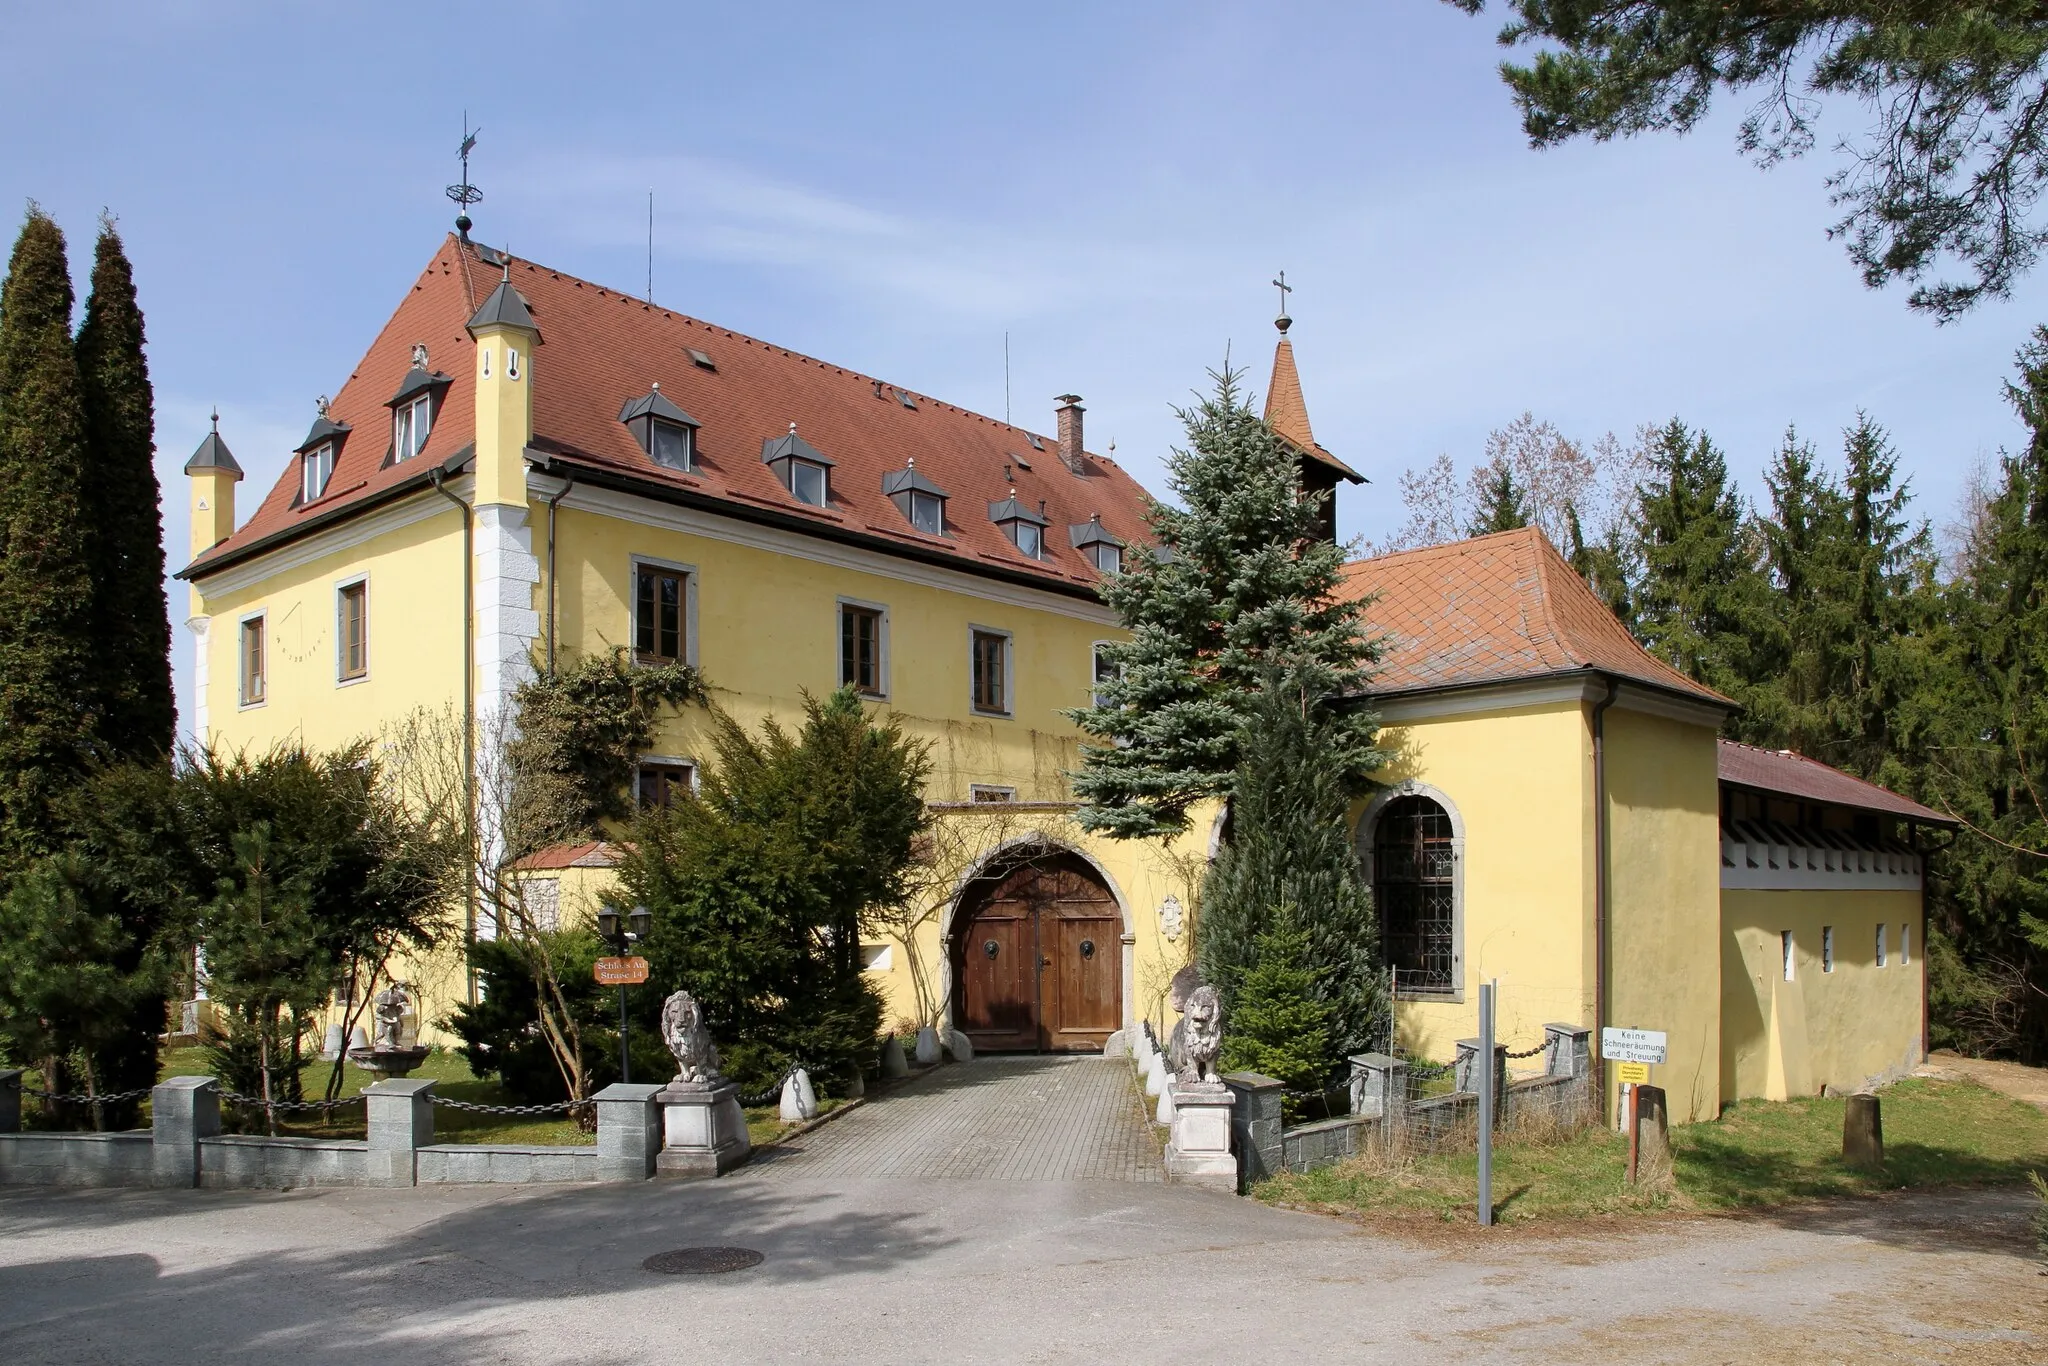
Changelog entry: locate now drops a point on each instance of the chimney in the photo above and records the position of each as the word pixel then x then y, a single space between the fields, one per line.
pixel 1070 411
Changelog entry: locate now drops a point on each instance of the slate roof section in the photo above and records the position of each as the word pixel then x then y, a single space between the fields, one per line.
pixel 213 454
pixel 603 348
pixel 1782 773
pixel 1497 609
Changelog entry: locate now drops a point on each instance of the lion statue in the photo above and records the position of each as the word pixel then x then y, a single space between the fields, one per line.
pixel 1198 1038
pixel 682 1029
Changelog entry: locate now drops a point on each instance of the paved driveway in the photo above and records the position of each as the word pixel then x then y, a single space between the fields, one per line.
pixel 993 1119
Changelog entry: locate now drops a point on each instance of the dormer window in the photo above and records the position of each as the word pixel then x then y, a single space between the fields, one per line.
pixel 316 467
pixel 665 432
pixel 1097 546
pixel 414 405
pixel 922 503
pixel 800 466
pixel 1025 528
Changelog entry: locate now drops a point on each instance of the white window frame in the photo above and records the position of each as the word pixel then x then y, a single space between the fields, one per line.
pixel 321 457
pixel 1881 956
pixel 1362 838
pixel 824 482
pixel 1009 640
pixel 655 427
pixel 1905 943
pixel 690 575
pixel 647 761
pixel 1095 649
pixel 1018 529
pixel 881 645
pixel 918 499
pixel 877 957
pixel 1103 550
pixel 1827 948
pixel 341 586
pixel 991 794
pixel 412 423
pixel 243 702
pixel 1789 947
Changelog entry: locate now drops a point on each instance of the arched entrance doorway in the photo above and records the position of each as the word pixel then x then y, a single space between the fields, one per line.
pixel 1037 961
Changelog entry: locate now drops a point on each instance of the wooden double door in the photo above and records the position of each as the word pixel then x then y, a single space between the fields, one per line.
pixel 1038 959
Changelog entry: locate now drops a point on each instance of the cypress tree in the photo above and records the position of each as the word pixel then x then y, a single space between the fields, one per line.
pixel 120 502
pixel 46 654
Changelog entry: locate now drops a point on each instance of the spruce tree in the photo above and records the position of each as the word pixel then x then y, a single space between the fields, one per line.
pixel 1701 583
pixel 1794 646
pixel 1289 863
pixel 47 679
pixel 119 501
pixel 1502 504
pixel 1888 568
pixel 1277 1026
pixel 1241 579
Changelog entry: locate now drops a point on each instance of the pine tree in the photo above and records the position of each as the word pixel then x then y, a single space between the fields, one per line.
pixel 1241 579
pixel 1289 862
pixel 1277 1026
pixel 1794 646
pixel 1502 504
pixel 1888 565
pixel 46 651
pixel 1700 579
pixel 119 503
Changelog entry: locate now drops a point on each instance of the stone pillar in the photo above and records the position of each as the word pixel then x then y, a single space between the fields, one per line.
pixel 704 1132
pixel 10 1101
pixel 1863 1131
pixel 183 1110
pixel 400 1122
pixel 628 1131
pixel 1255 1126
pixel 1379 1087
pixel 1467 1072
pixel 1568 1051
pixel 1652 1146
pixel 1198 1150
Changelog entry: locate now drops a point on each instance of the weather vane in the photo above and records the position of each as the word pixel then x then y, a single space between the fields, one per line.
pixel 1283 322
pixel 465 194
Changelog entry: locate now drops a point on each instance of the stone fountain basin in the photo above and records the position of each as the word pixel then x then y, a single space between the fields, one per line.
pixel 388 1062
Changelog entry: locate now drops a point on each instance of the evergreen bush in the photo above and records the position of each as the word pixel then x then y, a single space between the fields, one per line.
pixel 1278 1026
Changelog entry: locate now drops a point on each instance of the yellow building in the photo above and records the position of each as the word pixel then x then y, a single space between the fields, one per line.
pixel 526 467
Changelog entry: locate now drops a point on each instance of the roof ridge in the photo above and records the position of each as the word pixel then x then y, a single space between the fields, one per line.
pixel 1457 546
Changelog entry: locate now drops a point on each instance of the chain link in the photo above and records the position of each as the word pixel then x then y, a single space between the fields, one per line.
pixel 80 1098
pixel 287 1106
pixel 1531 1052
pixel 477 1108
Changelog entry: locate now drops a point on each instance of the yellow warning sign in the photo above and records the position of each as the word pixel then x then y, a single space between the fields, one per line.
pixel 1632 1073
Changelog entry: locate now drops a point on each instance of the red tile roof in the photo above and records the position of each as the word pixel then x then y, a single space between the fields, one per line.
pixel 589 854
pixel 1287 413
pixel 1496 609
pixel 601 348
pixel 1785 774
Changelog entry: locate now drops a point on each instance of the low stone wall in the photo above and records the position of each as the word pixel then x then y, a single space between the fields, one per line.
pixel 185 1147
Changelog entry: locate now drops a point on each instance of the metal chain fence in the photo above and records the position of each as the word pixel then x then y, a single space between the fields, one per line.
pixel 566 1107
pixel 1530 1052
pixel 80 1098
pixel 286 1106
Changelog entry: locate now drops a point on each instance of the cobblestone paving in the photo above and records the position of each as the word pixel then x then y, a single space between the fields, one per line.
pixel 1000 1119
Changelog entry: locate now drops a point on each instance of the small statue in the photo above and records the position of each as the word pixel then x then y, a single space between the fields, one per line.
pixel 682 1029
pixel 1198 1038
pixel 391 1005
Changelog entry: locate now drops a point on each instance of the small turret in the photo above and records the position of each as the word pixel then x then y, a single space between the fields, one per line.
pixel 214 474
pixel 505 336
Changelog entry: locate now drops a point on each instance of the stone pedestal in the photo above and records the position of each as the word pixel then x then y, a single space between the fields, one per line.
pixel 1256 1126
pixel 1863 1131
pixel 628 1131
pixel 703 1131
pixel 182 1110
pixel 1198 1150
pixel 398 1122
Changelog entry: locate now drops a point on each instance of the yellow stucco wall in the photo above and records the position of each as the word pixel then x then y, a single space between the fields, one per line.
pixel 1664 930
pixel 1518 781
pixel 1844 1029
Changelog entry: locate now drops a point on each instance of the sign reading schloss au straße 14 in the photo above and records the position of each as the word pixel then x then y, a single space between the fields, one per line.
pixel 1632 1045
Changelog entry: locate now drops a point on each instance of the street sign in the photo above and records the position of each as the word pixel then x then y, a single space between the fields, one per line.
pixel 1632 1073
pixel 621 972
pixel 1632 1045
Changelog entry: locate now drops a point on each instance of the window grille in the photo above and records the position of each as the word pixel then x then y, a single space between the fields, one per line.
pixel 1414 886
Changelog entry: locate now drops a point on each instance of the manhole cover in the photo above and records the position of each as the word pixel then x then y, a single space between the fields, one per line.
pixel 702 1261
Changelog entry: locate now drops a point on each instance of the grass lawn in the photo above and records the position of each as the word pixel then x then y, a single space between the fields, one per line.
pixel 1758 1153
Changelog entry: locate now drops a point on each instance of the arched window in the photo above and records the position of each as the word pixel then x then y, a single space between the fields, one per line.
pixel 1414 887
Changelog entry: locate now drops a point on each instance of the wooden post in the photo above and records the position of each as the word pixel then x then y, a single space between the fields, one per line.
pixel 1649 1139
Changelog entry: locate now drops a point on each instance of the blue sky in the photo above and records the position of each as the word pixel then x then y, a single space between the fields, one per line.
pixel 894 189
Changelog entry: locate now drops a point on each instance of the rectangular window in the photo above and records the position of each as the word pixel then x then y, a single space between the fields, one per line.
pixel 991 658
pixel 1105 670
pixel 660 614
pixel 663 783
pixel 1108 558
pixel 876 957
pixel 1030 538
pixel 860 649
pixel 807 482
pixel 987 793
pixel 352 629
pixel 255 676
pixel 671 445
pixel 316 467
pixel 1880 943
pixel 927 513
pixel 410 425
pixel 1905 945
pixel 1827 948
pixel 1785 936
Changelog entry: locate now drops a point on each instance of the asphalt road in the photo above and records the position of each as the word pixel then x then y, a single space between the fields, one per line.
pixel 903 1270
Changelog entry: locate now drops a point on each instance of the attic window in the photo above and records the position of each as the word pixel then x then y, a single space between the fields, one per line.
pixel 316 467
pixel 665 432
pixel 1026 529
pixel 411 422
pixel 922 503
pixel 800 467
pixel 702 360
pixel 1107 558
pixel 1098 546
pixel 808 481
pixel 905 399
pixel 1037 442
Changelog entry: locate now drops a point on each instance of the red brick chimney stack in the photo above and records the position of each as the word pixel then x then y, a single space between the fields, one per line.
pixel 1070 411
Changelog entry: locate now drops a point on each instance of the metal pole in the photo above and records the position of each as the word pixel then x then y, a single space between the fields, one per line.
pixel 1486 1099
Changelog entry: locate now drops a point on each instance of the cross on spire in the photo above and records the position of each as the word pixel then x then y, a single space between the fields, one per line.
pixel 1283 322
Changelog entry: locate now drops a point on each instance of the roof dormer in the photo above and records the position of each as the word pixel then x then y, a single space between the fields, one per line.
pixel 665 432
pixel 922 503
pixel 1100 548
pixel 800 467
pixel 1025 528
pixel 319 452
pixel 415 406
